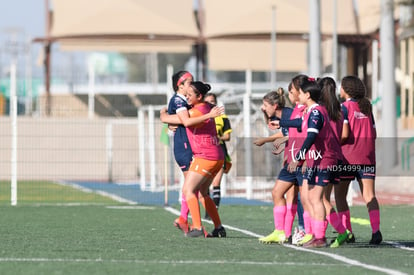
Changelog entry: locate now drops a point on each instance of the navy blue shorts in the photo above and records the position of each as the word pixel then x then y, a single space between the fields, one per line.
pixel 295 177
pixel 321 177
pixel 183 158
pixel 359 171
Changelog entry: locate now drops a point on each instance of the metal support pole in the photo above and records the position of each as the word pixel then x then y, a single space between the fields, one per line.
pixel 315 37
pixel 389 117
pixel 273 46
pixel 247 135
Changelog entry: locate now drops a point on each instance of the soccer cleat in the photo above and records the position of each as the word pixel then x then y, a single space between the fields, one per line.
pixel 307 238
pixel 194 233
pixel 297 236
pixel 340 239
pixel 289 240
pixel 316 243
pixel 219 232
pixel 376 238
pixel 181 224
pixel 277 236
pixel 351 237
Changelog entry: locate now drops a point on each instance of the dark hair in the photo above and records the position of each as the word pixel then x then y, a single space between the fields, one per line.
pixel 200 88
pixel 276 97
pixel 309 85
pixel 177 77
pixel 298 80
pixel 355 88
pixel 328 98
pixel 212 95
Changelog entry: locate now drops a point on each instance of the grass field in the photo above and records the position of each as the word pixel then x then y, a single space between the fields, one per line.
pixel 113 238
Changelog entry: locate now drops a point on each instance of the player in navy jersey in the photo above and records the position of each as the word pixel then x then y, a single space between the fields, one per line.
pixel 182 149
pixel 358 149
pixel 319 152
pixel 271 99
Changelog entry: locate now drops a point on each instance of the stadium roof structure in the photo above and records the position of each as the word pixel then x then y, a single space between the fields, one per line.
pixel 237 33
pixel 124 25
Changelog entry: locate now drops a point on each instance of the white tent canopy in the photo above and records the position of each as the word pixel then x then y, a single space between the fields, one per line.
pixel 169 26
pixel 255 55
pixel 101 17
pixel 292 16
pixel 126 45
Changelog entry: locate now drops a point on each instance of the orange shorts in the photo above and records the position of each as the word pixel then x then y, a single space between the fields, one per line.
pixel 206 168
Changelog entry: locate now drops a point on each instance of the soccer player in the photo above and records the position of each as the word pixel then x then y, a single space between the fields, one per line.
pixel 288 181
pixel 319 152
pixel 224 130
pixel 182 149
pixel 358 150
pixel 208 157
pixel 329 100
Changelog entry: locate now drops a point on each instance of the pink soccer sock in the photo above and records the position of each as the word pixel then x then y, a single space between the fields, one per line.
pixel 289 218
pixel 279 213
pixel 374 218
pixel 184 208
pixel 345 217
pixel 335 222
pixel 307 222
pixel 318 228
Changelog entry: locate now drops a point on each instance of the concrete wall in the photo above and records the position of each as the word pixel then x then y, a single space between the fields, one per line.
pixel 71 148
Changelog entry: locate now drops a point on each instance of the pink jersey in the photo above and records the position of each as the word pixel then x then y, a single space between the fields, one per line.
pixel 359 148
pixel 324 151
pixel 336 127
pixel 296 138
pixel 203 137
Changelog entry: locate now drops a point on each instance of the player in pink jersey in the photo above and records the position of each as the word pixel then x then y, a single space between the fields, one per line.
pixel 329 100
pixel 208 159
pixel 358 149
pixel 319 152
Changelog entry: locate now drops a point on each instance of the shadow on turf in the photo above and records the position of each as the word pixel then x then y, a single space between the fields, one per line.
pixel 387 243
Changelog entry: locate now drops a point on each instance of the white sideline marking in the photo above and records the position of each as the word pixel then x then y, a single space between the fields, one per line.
pixel 68 204
pixel 333 256
pixel 131 207
pixel 100 260
pixel 102 193
pixel 398 245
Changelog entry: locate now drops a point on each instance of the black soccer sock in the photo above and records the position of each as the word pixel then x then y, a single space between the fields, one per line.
pixel 216 195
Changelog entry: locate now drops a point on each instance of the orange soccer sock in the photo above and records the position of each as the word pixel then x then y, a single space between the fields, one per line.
pixel 194 211
pixel 211 209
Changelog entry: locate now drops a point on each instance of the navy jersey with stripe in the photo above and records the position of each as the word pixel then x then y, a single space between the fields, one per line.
pixel 286 113
pixel 325 149
pixel 182 148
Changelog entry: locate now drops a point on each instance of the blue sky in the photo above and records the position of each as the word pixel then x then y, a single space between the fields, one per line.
pixel 25 18
pixel 26 15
